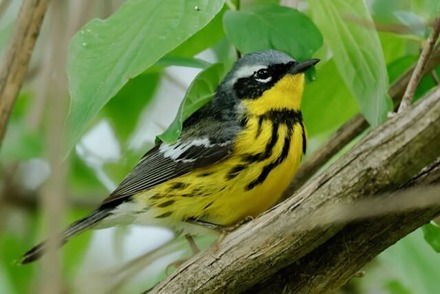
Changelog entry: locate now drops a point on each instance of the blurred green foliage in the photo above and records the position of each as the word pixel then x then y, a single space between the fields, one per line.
pixel 116 68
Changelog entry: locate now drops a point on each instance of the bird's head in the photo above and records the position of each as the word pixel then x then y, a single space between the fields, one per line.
pixel 266 80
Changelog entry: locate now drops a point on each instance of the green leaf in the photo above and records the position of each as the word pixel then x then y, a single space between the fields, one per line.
pixel 105 54
pixel 431 233
pixel 396 287
pixel 399 66
pixel 413 264
pixel 358 54
pixel 124 109
pixel 203 39
pixel 394 46
pixel 179 61
pixel 323 112
pixel 199 93
pixel 272 27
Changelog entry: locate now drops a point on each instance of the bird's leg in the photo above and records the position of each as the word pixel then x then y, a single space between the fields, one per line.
pixel 221 229
pixel 205 224
pixel 194 249
pixel 226 230
pixel 192 244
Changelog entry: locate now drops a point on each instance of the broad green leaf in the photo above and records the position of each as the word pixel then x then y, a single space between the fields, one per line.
pixel 399 66
pixel 431 233
pixel 396 287
pixel 357 52
pixel 413 263
pixel 426 84
pixel 199 93
pixel 249 4
pixel 393 46
pixel 224 52
pixel 272 27
pixel 179 61
pixel 105 54
pixel 203 39
pixel 124 109
pixel 323 112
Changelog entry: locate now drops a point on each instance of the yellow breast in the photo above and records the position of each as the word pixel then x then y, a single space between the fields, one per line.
pixel 257 185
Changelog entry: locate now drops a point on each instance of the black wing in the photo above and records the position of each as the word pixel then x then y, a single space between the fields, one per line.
pixel 165 162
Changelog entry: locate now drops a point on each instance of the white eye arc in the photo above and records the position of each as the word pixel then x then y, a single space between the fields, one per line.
pixel 262 75
pixel 266 80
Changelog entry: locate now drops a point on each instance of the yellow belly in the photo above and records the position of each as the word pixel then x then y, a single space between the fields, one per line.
pixel 219 195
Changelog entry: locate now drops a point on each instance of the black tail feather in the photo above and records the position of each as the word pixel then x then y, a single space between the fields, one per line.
pixel 74 229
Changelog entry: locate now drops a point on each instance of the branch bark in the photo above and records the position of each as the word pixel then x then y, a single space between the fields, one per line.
pixel 18 54
pixel 335 262
pixel 384 160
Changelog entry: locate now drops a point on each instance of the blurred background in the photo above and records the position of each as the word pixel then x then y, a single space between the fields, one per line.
pixel 34 179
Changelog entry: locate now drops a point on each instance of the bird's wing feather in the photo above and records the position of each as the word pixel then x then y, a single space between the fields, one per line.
pixel 165 162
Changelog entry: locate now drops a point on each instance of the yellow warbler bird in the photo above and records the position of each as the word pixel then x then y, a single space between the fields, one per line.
pixel 234 157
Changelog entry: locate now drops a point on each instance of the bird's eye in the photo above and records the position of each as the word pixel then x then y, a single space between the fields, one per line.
pixel 262 75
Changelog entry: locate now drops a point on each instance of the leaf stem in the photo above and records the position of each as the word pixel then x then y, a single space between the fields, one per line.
pixel 420 67
pixel 230 5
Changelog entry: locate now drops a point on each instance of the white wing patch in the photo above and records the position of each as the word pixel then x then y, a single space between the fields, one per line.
pixel 176 150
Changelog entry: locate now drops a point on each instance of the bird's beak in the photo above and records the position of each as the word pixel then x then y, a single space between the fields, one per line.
pixel 302 66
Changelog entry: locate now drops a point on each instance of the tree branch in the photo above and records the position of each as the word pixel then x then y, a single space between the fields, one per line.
pixel 17 56
pixel 335 262
pixel 353 128
pixel 384 160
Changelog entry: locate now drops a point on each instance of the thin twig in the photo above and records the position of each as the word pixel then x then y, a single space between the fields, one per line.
pixel 351 129
pixel 420 66
pixel 54 192
pixel 16 59
pixel 4 6
pixel 435 77
pixel 28 200
pixel 380 27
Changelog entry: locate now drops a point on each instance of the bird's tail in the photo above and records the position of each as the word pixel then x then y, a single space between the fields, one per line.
pixel 74 229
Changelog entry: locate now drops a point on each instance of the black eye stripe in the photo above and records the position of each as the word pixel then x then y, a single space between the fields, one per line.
pixel 253 86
